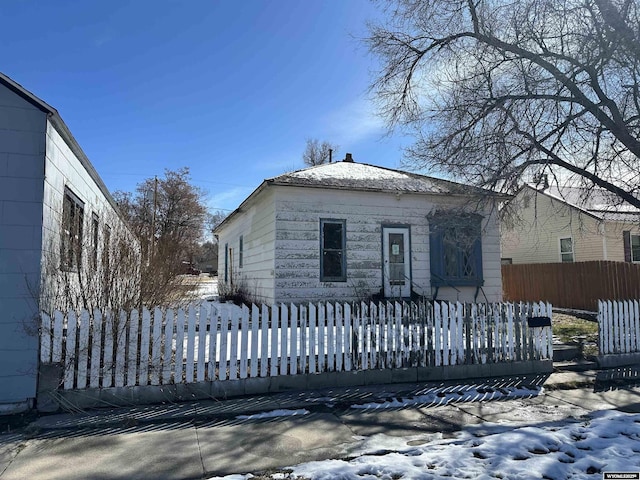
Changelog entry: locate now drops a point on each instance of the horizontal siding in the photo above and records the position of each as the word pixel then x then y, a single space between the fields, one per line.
pixel 297 252
pixel 257 227
pixel 534 237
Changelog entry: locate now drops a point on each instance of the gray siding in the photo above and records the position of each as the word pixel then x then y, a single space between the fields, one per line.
pixel 22 153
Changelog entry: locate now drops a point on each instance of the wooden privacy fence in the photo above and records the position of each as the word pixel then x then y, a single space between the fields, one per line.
pixel 571 285
pixel 619 327
pixel 200 343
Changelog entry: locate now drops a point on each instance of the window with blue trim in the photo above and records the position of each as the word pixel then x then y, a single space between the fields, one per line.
pixel 455 250
pixel 333 245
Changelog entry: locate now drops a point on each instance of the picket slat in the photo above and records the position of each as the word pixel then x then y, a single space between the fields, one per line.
pixel 244 342
pixel 83 349
pixel 213 347
pixel 293 345
pixel 284 343
pixel 191 344
pixel 273 357
pixel 347 342
pixel 107 350
pixel 313 338
pixel 168 360
pixel 156 347
pixel 180 319
pixel 255 328
pixel 96 349
pixel 145 333
pixel 132 349
pixel 303 338
pixel 321 317
pixel 339 338
pixel 233 344
pixel 331 356
pixel 70 351
pixel 264 337
pixel 121 348
pixel 203 324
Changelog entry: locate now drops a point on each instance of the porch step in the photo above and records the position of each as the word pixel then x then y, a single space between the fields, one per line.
pixel 564 353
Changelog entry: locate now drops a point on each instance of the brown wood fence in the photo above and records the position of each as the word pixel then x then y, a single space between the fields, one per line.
pixel 571 285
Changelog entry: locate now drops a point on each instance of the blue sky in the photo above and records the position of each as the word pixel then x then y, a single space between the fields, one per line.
pixel 231 89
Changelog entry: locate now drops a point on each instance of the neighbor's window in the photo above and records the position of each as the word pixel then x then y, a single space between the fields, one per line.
pixel 333 258
pixel 71 234
pixel 455 250
pixel 566 249
pixel 635 248
pixel 240 251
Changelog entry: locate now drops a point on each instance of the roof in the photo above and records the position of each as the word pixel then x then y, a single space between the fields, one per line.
pixel 62 129
pixel 599 203
pixel 362 176
pixel 353 176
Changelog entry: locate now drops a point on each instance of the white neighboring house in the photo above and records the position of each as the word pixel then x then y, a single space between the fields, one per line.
pixel 349 231
pixel 570 224
pixel 52 205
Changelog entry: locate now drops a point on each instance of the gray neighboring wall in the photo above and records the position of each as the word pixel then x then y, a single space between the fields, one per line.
pixel 22 157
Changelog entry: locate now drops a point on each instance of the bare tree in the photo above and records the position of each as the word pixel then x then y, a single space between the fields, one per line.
pixel 169 217
pixel 498 91
pixel 316 153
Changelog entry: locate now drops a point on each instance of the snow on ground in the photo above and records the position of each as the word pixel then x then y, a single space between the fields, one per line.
pixel 606 441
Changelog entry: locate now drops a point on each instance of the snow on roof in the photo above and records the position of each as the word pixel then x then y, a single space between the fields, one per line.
pixel 361 176
pixel 595 200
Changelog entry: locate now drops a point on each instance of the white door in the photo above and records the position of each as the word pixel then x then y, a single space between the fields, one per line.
pixel 396 257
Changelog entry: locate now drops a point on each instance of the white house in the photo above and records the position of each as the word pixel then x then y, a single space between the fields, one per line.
pixel 55 211
pixel 349 231
pixel 570 224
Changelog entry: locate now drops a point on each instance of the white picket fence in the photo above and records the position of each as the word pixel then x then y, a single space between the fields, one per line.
pixel 167 346
pixel 619 326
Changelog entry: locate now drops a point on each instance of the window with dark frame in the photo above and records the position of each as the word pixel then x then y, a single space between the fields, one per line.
pixel 333 241
pixel 456 250
pixel 635 248
pixel 71 231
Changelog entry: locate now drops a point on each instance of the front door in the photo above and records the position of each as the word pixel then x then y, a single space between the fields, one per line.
pixel 396 258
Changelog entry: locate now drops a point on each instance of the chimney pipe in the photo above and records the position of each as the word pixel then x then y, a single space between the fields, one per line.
pixel 330 155
pixel 348 158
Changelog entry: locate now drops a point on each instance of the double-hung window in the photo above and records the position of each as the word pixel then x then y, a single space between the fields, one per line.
pixel 631 246
pixel 566 249
pixel 455 250
pixel 333 253
pixel 71 232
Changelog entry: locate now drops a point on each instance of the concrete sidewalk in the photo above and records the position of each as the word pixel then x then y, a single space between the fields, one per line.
pixel 206 438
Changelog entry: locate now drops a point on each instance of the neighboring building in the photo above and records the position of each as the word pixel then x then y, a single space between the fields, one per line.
pixel 348 231
pixel 54 214
pixel 570 225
